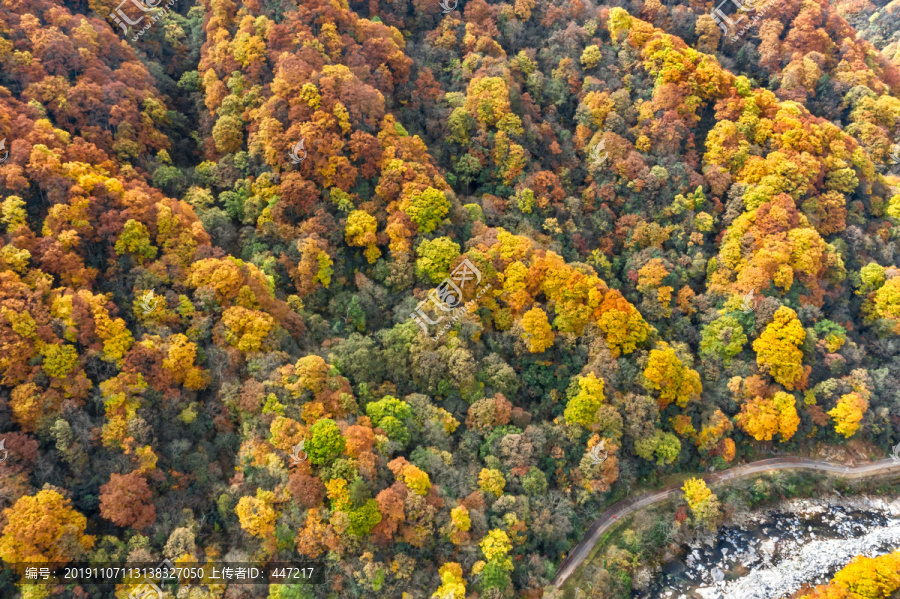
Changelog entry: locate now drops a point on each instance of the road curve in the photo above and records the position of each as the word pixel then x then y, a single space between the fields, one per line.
pixel 628 506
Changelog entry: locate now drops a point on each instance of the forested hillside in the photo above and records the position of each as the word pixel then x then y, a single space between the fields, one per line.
pixel 228 229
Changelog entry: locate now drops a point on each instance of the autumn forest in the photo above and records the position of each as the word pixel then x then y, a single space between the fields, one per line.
pixel 415 289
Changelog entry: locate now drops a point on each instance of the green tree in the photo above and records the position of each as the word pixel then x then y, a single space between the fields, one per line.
pixel 871 277
pixel 428 209
pixel 724 338
pixel 135 241
pixel 326 442
pixel 365 518
pixel 460 124
pixel 169 178
pixel 388 406
pixel 665 446
pixel 467 169
pixel 582 408
pixel 534 482
pixel 228 134
pixel 395 430
pixel 435 257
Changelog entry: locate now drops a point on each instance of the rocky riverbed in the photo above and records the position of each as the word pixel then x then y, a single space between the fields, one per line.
pixel 773 553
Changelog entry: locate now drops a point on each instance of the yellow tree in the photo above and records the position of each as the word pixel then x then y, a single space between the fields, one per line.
pixel 487 99
pixel 417 480
pixel 763 417
pixel 360 232
pixel 863 578
pixel 871 577
pixel 286 433
pixel 227 277
pixel 623 325
pixel 703 503
pixel 848 413
pixel 435 257
pixel 256 514
pixel 669 376
pixel 12 213
pixel 426 209
pixel 246 329
pixel 515 285
pixel 312 375
pixel 538 334
pixel 650 278
pixel 338 494
pixel 32 407
pixel 872 277
pixel 122 398
pixel 496 546
pixel 582 409
pixel 778 348
pixel 887 302
pixel 42 528
pixel 453 585
pixel 460 517
pixel 491 481
pixel 591 56
pixel 315 265
pixel 135 241
pixel 180 363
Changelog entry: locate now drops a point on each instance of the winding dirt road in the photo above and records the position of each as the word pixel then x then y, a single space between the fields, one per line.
pixel 611 516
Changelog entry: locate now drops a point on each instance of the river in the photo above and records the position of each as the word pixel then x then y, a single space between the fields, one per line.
pixel 778 550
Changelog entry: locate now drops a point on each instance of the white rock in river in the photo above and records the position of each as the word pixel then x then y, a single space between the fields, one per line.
pixel 709 593
pixel 813 560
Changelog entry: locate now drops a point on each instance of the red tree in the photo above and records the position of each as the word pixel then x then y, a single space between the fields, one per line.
pixel 126 501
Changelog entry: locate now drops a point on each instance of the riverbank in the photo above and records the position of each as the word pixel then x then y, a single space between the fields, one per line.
pixel 650 519
pixel 775 551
